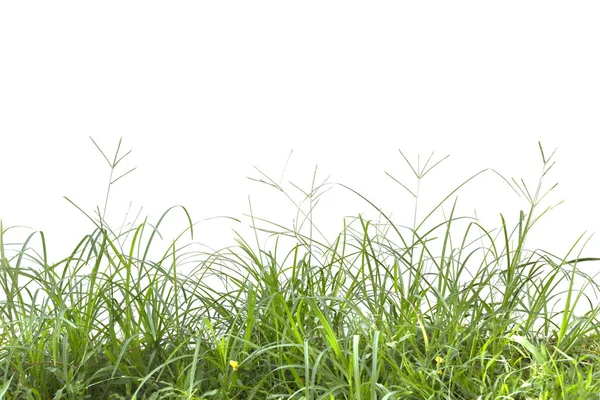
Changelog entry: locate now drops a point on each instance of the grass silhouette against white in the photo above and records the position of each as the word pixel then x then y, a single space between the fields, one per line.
pixel 381 311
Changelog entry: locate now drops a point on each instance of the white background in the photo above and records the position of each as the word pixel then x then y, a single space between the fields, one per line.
pixel 203 91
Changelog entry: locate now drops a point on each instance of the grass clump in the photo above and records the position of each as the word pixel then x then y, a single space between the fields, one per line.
pixel 383 311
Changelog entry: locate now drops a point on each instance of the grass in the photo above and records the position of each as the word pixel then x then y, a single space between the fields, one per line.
pixel 383 311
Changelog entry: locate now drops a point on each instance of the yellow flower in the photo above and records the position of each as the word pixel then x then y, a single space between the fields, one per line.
pixel 234 365
pixel 439 360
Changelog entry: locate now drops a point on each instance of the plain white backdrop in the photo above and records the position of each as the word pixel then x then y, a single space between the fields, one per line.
pixel 202 92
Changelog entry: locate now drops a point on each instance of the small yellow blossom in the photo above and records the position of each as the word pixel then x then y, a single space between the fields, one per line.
pixel 234 365
pixel 439 360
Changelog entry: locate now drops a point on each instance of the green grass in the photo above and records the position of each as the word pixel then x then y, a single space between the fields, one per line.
pixel 447 310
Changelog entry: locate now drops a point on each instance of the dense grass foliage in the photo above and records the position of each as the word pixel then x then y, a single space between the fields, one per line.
pixel 382 311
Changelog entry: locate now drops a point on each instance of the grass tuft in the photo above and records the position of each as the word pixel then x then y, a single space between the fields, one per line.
pixel 446 310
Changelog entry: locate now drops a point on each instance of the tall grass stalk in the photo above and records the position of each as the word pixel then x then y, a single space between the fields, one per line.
pixel 381 311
